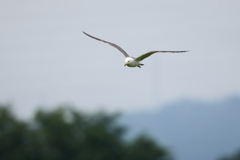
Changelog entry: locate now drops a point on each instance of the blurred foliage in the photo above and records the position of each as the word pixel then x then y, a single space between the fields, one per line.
pixel 236 156
pixel 64 134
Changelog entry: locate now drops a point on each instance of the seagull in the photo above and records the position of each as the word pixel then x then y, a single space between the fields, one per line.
pixel 131 61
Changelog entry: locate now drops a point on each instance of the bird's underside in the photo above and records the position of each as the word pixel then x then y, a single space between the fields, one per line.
pixel 130 61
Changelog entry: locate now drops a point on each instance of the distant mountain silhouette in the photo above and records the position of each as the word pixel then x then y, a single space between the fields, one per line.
pixel 192 130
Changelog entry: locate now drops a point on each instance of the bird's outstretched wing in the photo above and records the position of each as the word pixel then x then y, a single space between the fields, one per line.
pixel 112 44
pixel 142 57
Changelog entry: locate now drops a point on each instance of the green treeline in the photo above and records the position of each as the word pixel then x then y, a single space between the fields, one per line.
pixel 66 134
pixel 235 156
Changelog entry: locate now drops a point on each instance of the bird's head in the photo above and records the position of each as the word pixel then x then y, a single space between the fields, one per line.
pixel 128 60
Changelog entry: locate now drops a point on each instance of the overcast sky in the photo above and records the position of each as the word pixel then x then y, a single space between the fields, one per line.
pixel 46 60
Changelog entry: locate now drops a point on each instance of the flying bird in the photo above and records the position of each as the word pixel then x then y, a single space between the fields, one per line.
pixel 131 61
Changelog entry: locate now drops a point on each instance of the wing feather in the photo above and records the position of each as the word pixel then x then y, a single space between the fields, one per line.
pixel 112 44
pixel 142 57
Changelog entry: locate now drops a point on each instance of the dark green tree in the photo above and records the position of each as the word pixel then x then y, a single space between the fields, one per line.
pixel 236 156
pixel 143 148
pixel 65 134
pixel 15 137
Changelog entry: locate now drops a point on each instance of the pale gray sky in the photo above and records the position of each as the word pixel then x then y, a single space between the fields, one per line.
pixel 46 60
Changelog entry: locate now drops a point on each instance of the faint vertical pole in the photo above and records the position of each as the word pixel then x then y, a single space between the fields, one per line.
pixel 156 82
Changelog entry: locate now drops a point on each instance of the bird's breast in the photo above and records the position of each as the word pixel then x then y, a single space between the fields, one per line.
pixel 133 64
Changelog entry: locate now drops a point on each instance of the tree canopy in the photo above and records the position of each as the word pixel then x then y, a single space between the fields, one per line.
pixel 65 133
pixel 235 156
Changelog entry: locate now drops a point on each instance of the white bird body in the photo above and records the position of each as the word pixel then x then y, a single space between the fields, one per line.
pixel 130 61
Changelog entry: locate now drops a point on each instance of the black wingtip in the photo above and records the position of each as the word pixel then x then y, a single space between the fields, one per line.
pixel 185 51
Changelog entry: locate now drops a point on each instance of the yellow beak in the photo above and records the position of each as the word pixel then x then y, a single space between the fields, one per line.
pixel 125 64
